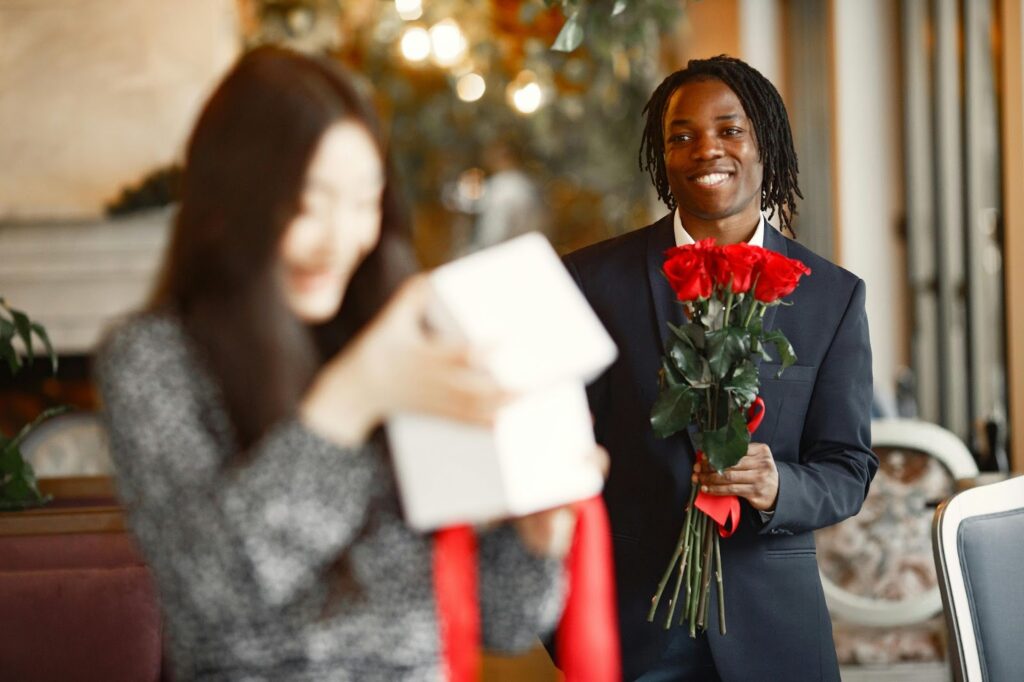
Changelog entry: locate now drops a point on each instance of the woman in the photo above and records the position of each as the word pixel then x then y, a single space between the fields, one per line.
pixel 244 406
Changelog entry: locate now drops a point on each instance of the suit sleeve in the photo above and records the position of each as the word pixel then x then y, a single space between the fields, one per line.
pixel 597 390
pixel 836 465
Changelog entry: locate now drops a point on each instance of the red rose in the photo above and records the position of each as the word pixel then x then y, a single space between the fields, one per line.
pixel 736 263
pixel 777 276
pixel 687 271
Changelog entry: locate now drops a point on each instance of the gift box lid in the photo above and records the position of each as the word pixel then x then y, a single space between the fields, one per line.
pixel 518 302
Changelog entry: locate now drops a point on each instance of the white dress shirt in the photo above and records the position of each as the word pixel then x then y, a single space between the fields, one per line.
pixel 683 237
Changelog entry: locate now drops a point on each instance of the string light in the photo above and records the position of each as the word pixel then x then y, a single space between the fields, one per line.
pixel 410 10
pixel 470 87
pixel 447 42
pixel 524 93
pixel 415 44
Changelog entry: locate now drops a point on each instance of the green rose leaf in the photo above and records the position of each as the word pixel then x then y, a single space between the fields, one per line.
pixel 727 445
pixel 690 333
pixel 671 375
pixel 726 347
pixel 689 363
pixel 672 410
pixel 742 384
pixel 784 348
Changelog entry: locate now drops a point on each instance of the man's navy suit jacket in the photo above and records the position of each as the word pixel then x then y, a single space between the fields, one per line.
pixel 817 426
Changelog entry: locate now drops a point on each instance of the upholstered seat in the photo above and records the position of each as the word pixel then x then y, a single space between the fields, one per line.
pixel 979 555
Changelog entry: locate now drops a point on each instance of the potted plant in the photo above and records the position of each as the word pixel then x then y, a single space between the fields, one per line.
pixel 18 488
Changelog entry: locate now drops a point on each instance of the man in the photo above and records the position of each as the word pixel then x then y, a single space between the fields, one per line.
pixel 510 205
pixel 718 147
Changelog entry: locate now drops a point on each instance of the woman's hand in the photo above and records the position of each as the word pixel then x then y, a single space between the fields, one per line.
pixel 549 533
pixel 396 365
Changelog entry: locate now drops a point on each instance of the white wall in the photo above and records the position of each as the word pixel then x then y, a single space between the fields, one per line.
pixel 94 94
pixel 869 199
pixel 760 38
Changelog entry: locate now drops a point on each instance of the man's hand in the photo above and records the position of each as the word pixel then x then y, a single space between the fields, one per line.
pixel 753 478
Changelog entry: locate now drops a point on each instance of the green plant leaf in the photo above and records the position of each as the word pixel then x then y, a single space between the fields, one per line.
pixel 10 460
pixel 784 348
pixel 672 411
pixel 727 445
pixel 43 416
pixel 24 327
pixel 571 35
pixel 7 353
pixel 45 338
pixel 19 488
pixel 725 348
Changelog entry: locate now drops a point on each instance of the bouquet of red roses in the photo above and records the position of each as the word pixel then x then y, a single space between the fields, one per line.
pixel 708 377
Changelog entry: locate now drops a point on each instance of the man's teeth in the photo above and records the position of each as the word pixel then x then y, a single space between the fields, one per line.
pixel 711 179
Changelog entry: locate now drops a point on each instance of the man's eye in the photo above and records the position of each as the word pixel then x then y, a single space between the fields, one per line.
pixel 733 131
pixel 680 137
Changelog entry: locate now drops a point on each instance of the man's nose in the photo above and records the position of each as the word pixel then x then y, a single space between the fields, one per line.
pixel 707 147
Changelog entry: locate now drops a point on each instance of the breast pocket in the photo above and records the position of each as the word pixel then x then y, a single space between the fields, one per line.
pixel 787 394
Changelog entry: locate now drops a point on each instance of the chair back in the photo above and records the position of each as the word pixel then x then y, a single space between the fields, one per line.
pixel 70 444
pixel 885 548
pixel 978 542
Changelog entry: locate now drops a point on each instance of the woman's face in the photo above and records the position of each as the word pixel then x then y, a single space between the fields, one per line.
pixel 338 222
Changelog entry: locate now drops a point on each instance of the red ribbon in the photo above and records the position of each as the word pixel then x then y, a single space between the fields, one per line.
pixel 455 586
pixel 588 638
pixel 724 510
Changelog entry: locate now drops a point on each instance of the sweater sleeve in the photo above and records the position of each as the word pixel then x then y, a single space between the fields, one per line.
pixel 521 595
pixel 222 537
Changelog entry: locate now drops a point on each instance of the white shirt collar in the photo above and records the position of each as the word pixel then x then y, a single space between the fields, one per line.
pixel 683 237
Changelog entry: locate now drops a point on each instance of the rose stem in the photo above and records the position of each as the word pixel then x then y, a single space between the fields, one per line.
pixel 721 585
pixel 680 550
pixel 705 582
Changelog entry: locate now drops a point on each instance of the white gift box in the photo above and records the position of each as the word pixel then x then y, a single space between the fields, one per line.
pixel 543 342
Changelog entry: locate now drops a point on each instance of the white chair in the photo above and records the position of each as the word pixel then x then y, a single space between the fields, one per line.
pixel 948 460
pixel 70 444
pixel 978 541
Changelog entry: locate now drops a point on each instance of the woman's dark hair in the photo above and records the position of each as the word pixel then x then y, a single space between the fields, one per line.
pixel 245 169
pixel 763 106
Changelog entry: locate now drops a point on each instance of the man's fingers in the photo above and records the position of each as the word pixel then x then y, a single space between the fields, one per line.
pixel 738 489
pixel 732 476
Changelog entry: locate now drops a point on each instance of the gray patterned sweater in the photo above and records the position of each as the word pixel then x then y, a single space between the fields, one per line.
pixel 298 565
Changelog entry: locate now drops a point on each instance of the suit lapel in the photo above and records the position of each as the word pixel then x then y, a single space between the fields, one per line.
pixel 666 308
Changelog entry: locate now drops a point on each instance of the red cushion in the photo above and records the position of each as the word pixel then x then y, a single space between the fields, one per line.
pixel 73 550
pixel 79 624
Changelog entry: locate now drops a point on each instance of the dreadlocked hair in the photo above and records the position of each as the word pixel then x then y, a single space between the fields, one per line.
pixel 763 106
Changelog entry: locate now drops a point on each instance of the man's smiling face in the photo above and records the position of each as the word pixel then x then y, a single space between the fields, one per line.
pixel 711 154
